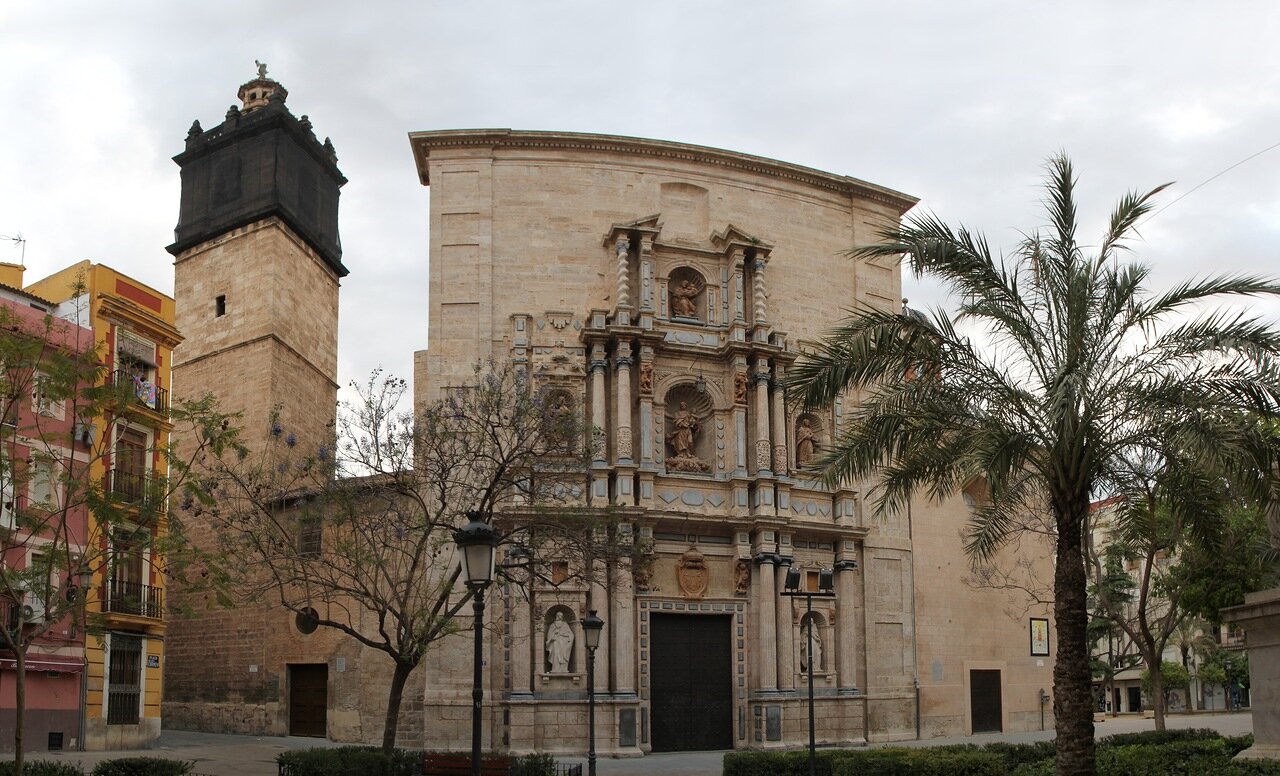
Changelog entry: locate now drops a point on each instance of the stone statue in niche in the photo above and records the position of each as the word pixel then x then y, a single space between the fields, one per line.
pixel 559 645
pixel 683 440
pixel 684 299
pixel 646 378
pixel 805 443
pixel 807 630
pixel 741 576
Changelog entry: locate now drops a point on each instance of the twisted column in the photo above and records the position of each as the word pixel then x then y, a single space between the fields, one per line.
pixel 759 293
pixel 622 247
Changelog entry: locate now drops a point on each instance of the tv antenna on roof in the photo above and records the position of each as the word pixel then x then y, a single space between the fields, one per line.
pixel 19 241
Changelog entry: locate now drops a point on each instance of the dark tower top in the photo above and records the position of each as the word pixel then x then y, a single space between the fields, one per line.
pixel 261 161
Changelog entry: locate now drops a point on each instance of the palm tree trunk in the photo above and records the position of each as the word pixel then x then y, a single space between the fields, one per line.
pixel 1073 694
pixel 398 679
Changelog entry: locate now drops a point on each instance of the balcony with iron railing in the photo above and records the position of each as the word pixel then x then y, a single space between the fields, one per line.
pixel 145 392
pixel 123 597
pixel 129 487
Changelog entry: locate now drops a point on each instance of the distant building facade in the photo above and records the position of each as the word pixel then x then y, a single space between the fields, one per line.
pixel 663 290
pixel 133 330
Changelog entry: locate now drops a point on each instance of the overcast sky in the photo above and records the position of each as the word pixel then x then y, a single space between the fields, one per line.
pixel 958 103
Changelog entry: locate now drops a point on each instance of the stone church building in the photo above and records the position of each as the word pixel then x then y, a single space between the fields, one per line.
pixel 663 290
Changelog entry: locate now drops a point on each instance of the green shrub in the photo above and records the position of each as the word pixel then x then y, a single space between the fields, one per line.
pixel 42 768
pixel 534 765
pixel 143 766
pixel 349 761
pixel 793 763
pixel 941 761
pixel 1148 737
pixel 1015 755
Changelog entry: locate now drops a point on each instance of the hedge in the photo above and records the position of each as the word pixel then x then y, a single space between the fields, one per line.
pixel 41 768
pixel 1162 753
pixel 349 761
pixel 143 766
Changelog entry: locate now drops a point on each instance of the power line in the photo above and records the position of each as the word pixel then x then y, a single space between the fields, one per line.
pixel 1209 180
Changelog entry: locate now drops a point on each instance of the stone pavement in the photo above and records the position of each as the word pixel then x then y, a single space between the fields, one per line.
pixel 229 755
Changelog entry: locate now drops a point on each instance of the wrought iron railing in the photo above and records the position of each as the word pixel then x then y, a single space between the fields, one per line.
pixel 131 487
pixel 124 597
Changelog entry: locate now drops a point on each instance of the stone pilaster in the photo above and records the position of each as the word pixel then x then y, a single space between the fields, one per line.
pixel 785 631
pixel 765 601
pixel 1260 618
pixel 622 362
pixel 623 626
pixel 763 447
pixel 779 422
pixel 846 626
pixel 599 421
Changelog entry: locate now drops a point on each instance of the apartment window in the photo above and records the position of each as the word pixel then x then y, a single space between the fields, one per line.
pixel 129 470
pixel 124 679
pixel 43 485
pixel 8 501
pixel 44 398
pixel 136 366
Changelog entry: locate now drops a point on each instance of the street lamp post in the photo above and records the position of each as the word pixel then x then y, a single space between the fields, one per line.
pixel 826 589
pixel 591 627
pixel 477 542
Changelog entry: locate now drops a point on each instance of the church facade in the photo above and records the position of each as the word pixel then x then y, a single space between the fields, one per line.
pixel 662 290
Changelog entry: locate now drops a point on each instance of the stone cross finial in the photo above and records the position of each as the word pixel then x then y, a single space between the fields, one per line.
pixel 262 68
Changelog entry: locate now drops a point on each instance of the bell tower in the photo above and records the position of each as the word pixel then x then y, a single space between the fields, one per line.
pixel 257 266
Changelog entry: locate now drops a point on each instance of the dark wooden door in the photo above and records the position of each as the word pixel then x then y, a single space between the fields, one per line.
pixel 691 675
pixel 308 699
pixel 984 701
pixel 1135 699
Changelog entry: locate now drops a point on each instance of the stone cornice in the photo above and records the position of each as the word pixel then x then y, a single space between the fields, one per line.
pixel 422 144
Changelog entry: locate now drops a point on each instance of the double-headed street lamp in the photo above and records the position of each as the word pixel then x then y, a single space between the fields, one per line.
pixel 591 627
pixel 477 543
pixel 826 589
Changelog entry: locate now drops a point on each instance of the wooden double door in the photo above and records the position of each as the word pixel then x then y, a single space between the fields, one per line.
pixel 308 699
pixel 691 682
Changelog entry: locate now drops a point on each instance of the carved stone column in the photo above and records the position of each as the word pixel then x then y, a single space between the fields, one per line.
pixel 622 361
pixel 785 630
pixel 740 381
pixel 846 630
pixel 623 624
pixel 759 294
pixel 622 249
pixel 765 602
pixel 779 422
pixel 599 419
pixel 645 391
pixel 646 273
pixel 763 447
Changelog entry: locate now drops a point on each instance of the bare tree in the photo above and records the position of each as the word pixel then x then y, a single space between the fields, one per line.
pixel 358 536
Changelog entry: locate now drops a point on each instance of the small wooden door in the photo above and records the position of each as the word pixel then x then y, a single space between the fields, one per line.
pixel 308 699
pixel 984 701
pixel 1135 699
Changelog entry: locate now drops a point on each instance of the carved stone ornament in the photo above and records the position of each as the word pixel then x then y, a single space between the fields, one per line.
pixel 741 576
pixel 683 438
pixel 692 574
pixel 739 387
pixel 646 379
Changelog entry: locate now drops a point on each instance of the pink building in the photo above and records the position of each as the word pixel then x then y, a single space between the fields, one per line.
pixel 42 441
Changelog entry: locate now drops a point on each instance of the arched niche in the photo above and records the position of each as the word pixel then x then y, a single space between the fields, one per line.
pixel 689 430
pixel 559 640
pixel 809 437
pixel 687 295
pixel 562 419
pixel 819 625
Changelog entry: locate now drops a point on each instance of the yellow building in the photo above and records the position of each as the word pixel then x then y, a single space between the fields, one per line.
pixel 133 327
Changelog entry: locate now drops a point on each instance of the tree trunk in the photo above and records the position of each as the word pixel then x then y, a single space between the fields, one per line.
pixel 19 707
pixel 1157 694
pixel 398 679
pixel 1072 681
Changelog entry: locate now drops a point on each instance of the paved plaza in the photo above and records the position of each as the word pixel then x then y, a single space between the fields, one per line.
pixel 228 755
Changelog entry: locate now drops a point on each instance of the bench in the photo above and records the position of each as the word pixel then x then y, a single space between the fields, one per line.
pixel 436 764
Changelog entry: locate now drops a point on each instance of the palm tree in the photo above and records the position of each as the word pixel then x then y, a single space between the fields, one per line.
pixel 1192 638
pixel 1075 369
